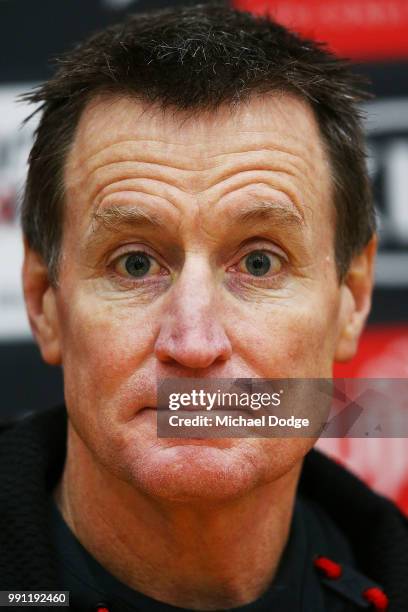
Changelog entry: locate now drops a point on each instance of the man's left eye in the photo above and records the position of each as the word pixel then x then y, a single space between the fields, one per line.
pixel 137 264
pixel 260 263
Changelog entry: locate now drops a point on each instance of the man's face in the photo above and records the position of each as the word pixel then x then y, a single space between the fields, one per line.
pixel 198 247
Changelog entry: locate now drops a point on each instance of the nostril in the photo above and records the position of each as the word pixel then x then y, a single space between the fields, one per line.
pixel 194 358
pixel 194 352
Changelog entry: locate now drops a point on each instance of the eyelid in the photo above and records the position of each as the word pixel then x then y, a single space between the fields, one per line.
pixel 274 273
pixel 125 276
pixel 130 248
pixel 261 244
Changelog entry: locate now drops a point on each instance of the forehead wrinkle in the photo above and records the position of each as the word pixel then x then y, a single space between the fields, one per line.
pixel 121 184
pixel 294 153
pixel 143 145
pixel 117 172
pixel 133 134
pixel 143 152
pixel 297 199
pixel 126 187
pixel 128 171
pixel 247 167
pixel 290 155
pixel 285 163
pixel 250 178
pixel 105 157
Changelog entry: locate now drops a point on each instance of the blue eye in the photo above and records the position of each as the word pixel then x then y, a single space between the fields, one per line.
pixel 259 263
pixel 137 264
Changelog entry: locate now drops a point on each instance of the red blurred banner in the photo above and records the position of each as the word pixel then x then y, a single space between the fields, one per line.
pixel 359 29
pixel 382 463
pixel 382 353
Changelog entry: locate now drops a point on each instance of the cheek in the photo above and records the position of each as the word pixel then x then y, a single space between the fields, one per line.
pixel 288 338
pixel 103 344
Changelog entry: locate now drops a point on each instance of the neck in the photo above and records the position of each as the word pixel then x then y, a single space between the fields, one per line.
pixel 199 554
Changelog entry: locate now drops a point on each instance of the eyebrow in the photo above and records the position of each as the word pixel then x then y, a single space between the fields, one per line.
pixel 268 211
pixel 117 218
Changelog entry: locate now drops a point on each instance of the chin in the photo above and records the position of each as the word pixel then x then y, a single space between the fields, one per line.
pixel 183 476
pixel 217 470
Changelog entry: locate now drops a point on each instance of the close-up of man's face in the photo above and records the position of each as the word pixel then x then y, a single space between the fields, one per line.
pixel 194 248
pixel 199 221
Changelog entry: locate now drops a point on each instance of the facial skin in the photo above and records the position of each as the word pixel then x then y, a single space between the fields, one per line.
pixel 198 311
pixel 197 196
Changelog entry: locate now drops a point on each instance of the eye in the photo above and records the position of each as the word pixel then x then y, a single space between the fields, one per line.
pixel 137 264
pixel 260 263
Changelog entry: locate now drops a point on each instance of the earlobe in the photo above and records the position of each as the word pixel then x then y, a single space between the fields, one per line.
pixel 40 301
pixel 355 301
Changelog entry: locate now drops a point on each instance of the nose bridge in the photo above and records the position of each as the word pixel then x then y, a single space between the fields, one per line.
pixel 194 293
pixel 192 332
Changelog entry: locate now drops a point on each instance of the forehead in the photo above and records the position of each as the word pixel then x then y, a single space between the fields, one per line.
pixel 271 140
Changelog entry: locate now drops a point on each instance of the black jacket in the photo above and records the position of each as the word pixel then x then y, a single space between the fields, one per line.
pixel 32 454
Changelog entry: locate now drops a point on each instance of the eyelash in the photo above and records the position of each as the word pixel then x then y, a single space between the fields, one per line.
pixel 131 282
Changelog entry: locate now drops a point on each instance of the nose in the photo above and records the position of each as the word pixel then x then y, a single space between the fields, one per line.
pixel 191 331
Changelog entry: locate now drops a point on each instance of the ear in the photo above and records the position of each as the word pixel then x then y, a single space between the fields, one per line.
pixel 355 301
pixel 40 299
